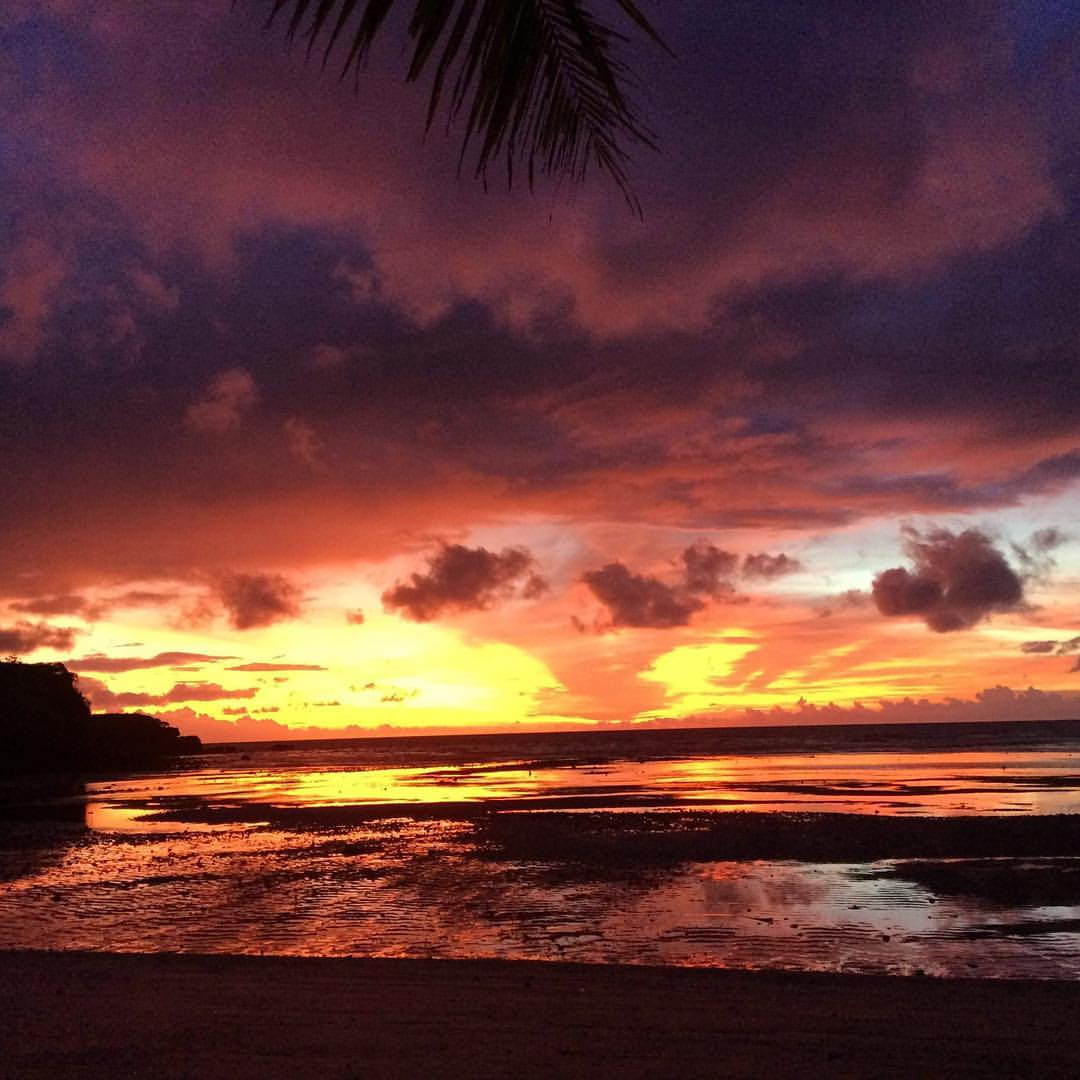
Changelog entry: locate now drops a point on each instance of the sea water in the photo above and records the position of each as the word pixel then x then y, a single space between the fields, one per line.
pixel 385 848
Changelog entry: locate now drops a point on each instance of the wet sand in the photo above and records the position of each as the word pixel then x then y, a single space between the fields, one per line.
pixel 81 1014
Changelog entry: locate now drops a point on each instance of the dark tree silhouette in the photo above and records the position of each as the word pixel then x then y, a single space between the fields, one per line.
pixel 44 720
pixel 46 727
pixel 534 82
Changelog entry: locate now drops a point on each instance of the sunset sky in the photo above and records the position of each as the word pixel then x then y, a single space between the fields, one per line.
pixel 301 430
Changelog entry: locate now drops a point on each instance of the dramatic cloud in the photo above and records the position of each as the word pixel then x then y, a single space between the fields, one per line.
pixel 640 601
pixel 707 569
pixel 26 637
pixel 644 601
pixel 957 580
pixel 465 579
pixel 245 325
pixel 769 567
pixel 254 600
pixel 113 664
pixel 222 406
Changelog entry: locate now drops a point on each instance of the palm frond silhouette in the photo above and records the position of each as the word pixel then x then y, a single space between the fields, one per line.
pixel 536 83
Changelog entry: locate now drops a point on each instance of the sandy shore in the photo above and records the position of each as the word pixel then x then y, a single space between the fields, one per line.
pixel 98 1015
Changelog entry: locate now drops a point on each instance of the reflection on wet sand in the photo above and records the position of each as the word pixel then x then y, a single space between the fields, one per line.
pixel 40 819
pixel 953 783
pixel 951 862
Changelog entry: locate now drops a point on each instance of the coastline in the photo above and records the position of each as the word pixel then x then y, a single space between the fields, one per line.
pixel 169 1015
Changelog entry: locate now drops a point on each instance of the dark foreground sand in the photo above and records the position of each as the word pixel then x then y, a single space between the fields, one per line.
pixel 97 1015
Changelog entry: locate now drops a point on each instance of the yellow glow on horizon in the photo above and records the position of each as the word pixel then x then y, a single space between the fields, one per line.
pixel 385 671
pixel 694 675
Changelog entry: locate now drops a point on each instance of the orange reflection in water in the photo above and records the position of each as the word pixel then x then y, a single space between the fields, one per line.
pixel 967 782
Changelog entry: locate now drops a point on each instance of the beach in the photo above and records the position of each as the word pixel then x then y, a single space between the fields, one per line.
pixel 511 910
pixel 82 1014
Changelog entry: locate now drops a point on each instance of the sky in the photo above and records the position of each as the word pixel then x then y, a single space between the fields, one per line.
pixel 303 431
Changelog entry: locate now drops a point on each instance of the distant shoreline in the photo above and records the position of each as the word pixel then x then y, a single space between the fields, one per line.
pixel 71 1015
pixel 941 734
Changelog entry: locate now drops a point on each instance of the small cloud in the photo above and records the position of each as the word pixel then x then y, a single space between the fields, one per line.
pixel 640 601
pixel 302 442
pixel 112 664
pixel 277 667
pixel 254 600
pixel 1057 648
pixel 849 600
pixel 354 618
pixel 69 603
pixel 155 293
pixel 957 580
pixel 204 692
pixel 327 357
pixel 394 696
pixel 140 598
pixel 769 567
pixel 56 604
pixel 26 637
pixel 228 396
pixel 1047 539
pixel 707 569
pixel 1038 646
pixel 1035 554
pixel 101 697
pixel 465 579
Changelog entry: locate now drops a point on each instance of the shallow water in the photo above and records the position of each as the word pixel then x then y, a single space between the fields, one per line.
pixel 1045 781
pixel 203 861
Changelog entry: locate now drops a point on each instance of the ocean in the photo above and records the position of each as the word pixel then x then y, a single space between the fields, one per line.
pixel 949 850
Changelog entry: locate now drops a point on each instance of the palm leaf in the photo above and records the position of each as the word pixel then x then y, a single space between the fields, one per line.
pixel 536 83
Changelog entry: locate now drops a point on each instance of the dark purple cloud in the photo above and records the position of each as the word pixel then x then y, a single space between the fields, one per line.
pixel 635 600
pixel 254 600
pixel 459 578
pixel 956 581
pixel 846 233
pixel 26 637
pixel 708 569
pixel 768 567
